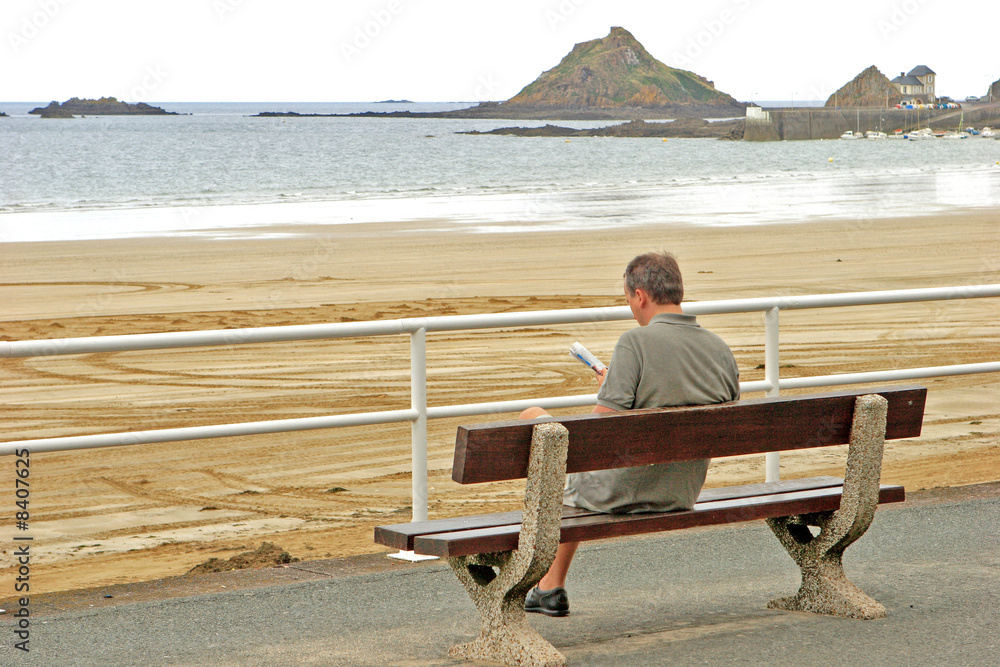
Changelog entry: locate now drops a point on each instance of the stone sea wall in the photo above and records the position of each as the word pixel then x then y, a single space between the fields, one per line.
pixel 820 123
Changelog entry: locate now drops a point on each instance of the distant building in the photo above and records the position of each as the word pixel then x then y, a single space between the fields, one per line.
pixel 918 83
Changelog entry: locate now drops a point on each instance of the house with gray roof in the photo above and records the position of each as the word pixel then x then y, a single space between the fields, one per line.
pixel 917 83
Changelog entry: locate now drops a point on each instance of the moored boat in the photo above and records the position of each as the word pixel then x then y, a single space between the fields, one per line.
pixel 920 135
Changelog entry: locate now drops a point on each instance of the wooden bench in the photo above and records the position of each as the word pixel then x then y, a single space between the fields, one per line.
pixel 500 557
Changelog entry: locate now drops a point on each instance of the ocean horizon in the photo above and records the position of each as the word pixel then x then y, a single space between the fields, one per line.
pixel 222 173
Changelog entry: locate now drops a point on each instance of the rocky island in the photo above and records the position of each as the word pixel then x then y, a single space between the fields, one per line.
pixel 871 88
pixel 613 78
pixel 106 106
pixel 617 72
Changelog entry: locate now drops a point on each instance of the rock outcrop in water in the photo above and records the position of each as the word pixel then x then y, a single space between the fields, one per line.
pixel 871 88
pixel 56 112
pixel 617 72
pixel 685 127
pixel 106 106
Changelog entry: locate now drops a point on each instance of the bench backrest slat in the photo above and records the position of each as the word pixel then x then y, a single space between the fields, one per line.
pixel 499 450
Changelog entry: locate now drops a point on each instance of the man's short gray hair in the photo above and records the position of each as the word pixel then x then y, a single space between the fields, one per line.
pixel 658 274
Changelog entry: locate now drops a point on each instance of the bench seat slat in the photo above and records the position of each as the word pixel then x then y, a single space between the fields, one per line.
pixel 599 526
pixel 401 536
pixel 499 451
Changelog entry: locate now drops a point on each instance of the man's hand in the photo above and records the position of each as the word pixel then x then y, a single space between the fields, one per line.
pixel 601 376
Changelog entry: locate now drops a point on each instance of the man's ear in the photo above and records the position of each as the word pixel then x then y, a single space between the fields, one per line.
pixel 642 296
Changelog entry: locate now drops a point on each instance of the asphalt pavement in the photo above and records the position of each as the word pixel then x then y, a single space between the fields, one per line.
pixel 695 597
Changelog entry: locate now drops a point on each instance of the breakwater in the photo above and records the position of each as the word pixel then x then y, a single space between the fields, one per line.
pixel 821 123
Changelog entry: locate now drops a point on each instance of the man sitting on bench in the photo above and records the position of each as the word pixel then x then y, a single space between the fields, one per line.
pixel 669 360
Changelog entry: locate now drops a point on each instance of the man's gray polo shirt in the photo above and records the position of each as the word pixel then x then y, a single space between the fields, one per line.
pixel 671 361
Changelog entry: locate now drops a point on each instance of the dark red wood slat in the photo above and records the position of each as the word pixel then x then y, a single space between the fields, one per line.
pixel 499 451
pixel 767 488
pixel 401 536
pixel 601 526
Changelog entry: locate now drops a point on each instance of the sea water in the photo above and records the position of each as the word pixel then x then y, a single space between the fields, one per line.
pixel 220 172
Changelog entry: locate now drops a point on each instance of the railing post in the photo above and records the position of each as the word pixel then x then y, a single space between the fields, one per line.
pixel 418 434
pixel 772 460
pixel 418 428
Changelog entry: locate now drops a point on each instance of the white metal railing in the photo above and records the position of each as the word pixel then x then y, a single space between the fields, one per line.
pixel 417 329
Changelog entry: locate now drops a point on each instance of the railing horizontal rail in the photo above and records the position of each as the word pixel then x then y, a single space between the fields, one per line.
pixel 154 341
pixel 178 339
pixel 203 432
pixel 888 376
pixel 449 411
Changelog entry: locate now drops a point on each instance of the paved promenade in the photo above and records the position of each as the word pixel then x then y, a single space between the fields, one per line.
pixel 693 597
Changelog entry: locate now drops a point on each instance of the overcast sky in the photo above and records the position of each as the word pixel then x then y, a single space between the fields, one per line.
pixel 466 50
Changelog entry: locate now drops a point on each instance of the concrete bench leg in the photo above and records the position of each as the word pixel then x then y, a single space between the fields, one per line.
pixel 825 588
pixel 498 594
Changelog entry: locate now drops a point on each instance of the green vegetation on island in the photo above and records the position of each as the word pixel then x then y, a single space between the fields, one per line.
pixel 106 106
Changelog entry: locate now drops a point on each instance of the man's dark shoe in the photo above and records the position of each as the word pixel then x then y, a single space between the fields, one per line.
pixel 553 602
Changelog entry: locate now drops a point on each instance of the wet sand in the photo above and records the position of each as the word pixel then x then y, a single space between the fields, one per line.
pixel 129 514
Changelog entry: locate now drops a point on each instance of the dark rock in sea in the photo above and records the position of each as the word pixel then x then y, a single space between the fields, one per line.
pixel 680 128
pixel 3 115
pixel 55 112
pixel 286 114
pixel 106 106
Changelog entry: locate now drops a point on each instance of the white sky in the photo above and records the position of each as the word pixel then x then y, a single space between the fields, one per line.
pixel 452 50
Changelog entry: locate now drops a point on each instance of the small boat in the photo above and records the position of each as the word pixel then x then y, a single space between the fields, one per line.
pixel 955 135
pixel 971 130
pixel 850 135
pixel 988 133
pixel 874 136
pixel 920 135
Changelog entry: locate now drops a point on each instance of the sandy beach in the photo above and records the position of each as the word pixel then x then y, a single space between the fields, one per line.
pixel 130 514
